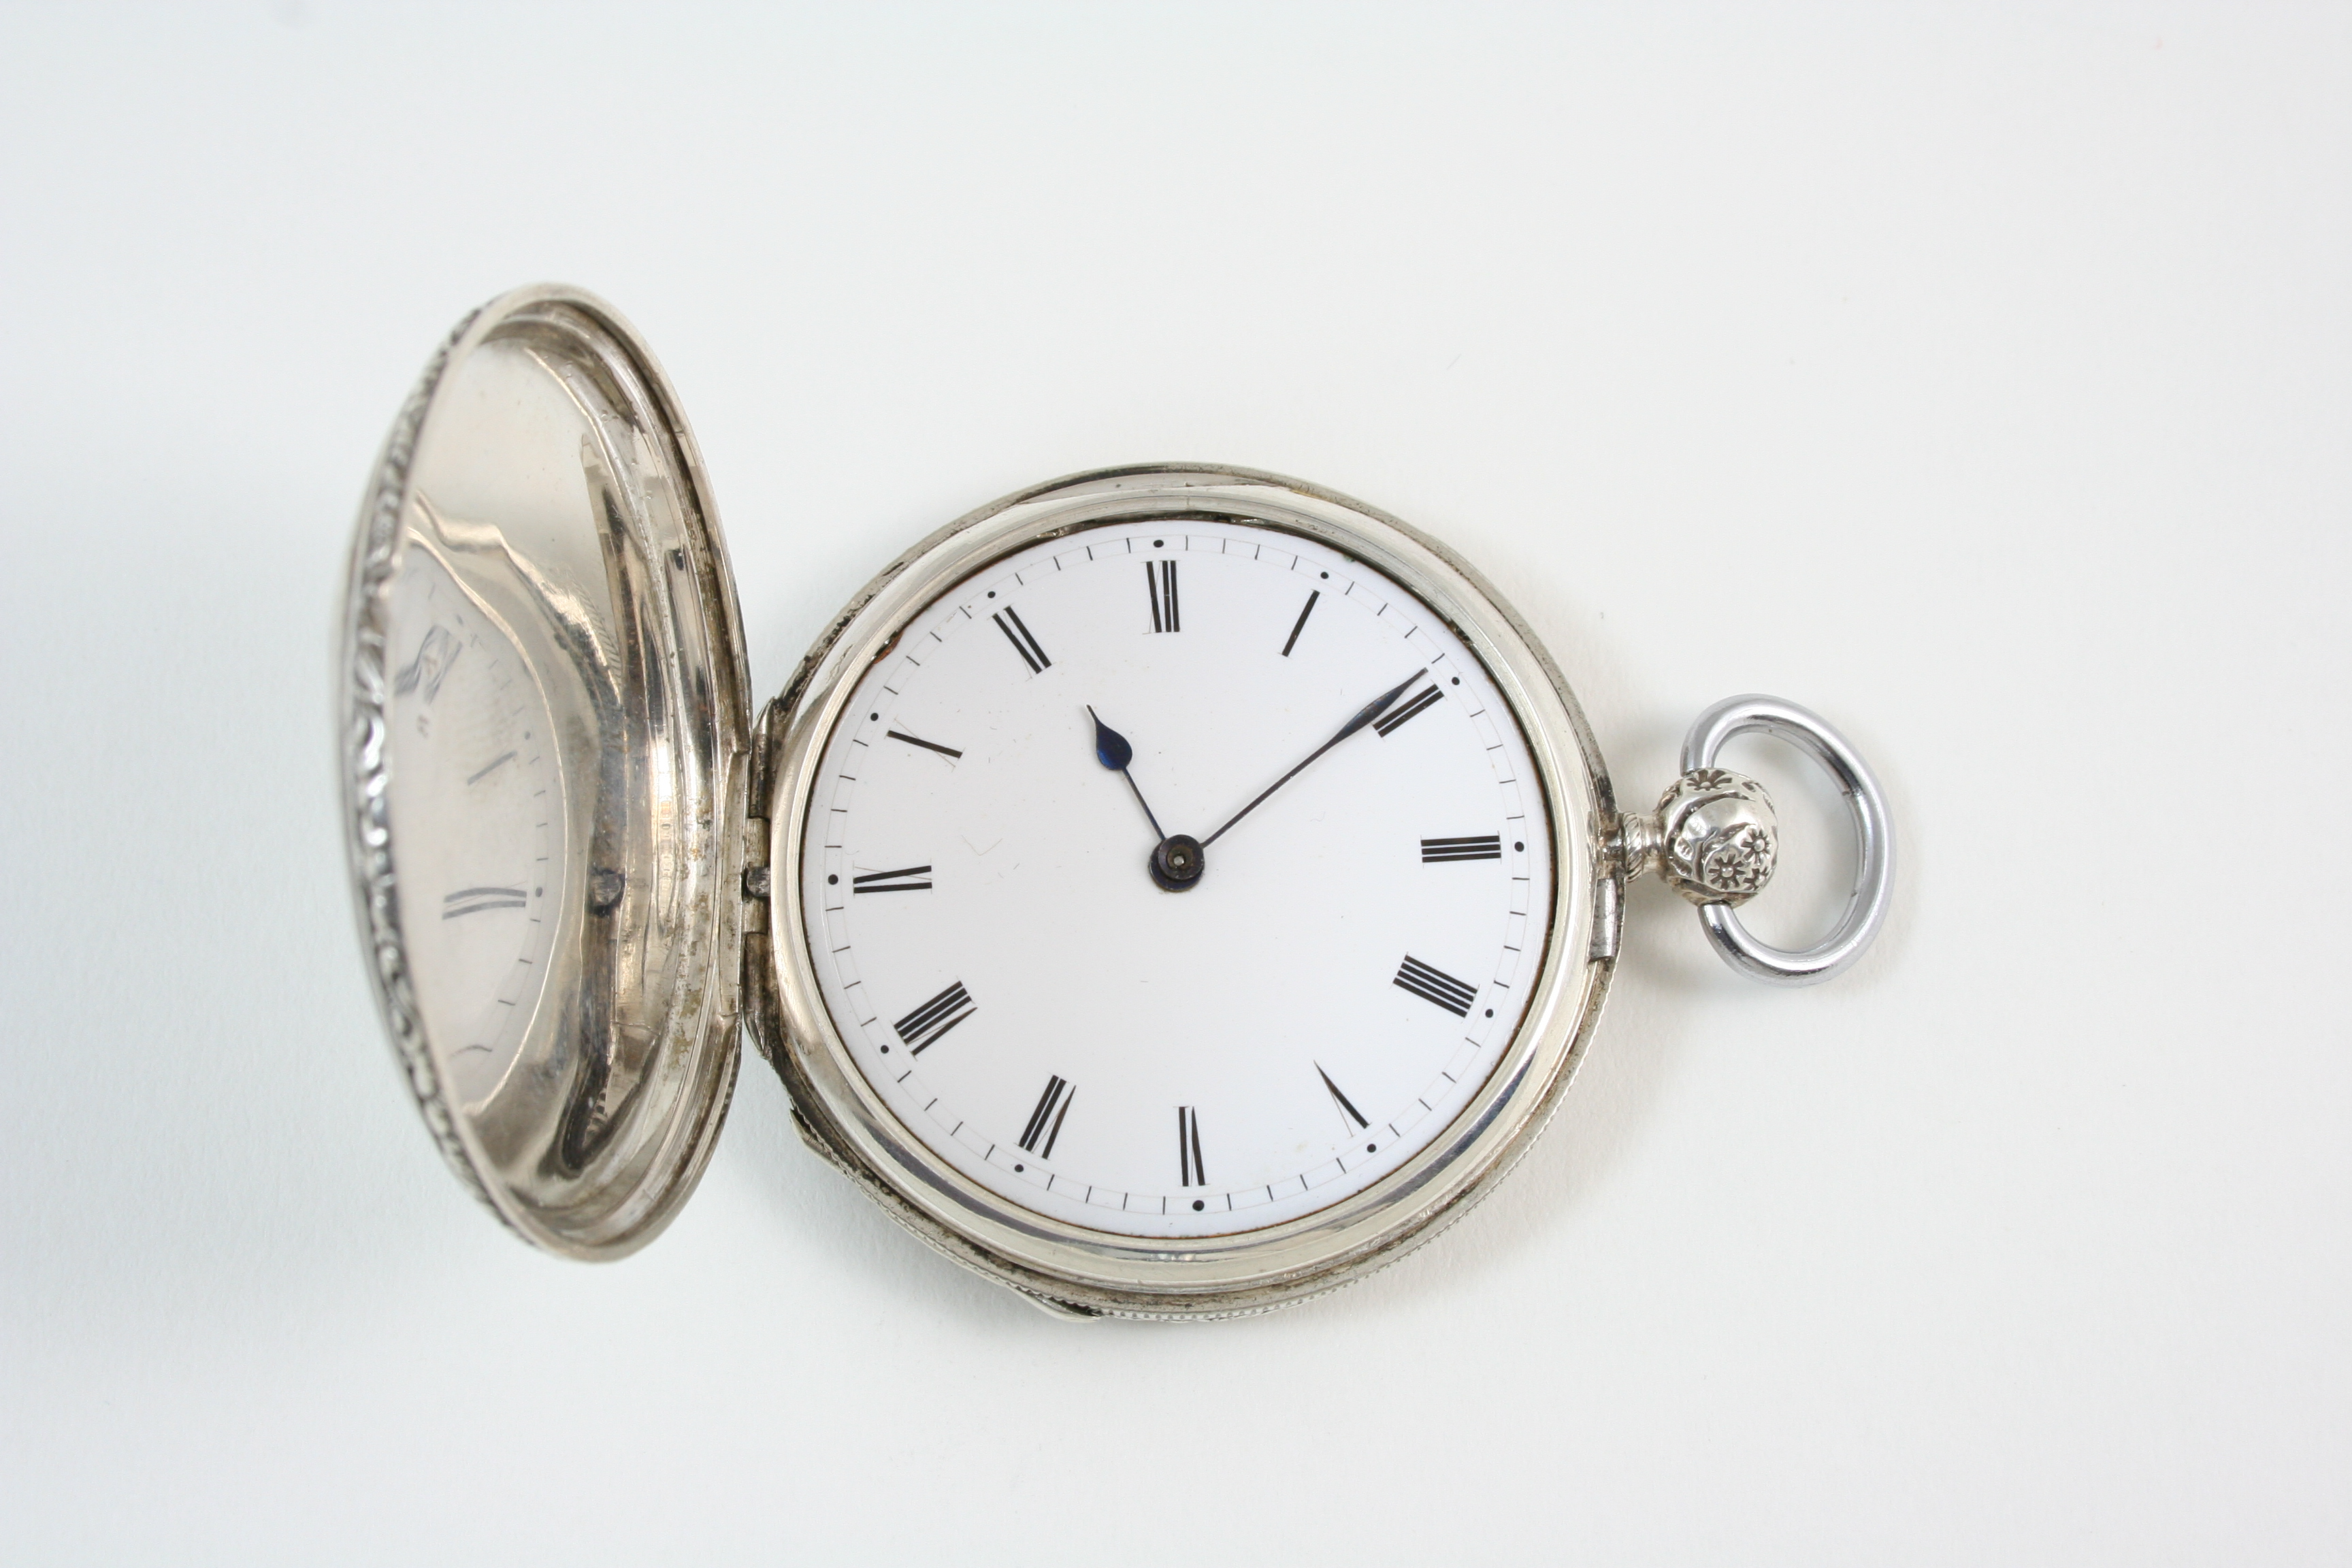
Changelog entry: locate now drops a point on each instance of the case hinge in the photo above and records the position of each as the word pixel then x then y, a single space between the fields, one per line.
pixel 756 885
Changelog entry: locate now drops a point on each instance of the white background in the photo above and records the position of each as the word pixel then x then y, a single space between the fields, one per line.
pixel 1980 379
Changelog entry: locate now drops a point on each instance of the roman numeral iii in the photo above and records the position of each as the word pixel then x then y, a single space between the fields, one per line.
pixel 1188 1148
pixel 1008 621
pixel 911 879
pixel 1433 984
pixel 922 1027
pixel 1160 581
pixel 1045 1122
pixel 1489 847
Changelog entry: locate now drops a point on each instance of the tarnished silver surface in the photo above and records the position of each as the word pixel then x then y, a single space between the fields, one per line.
pixel 1713 839
pixel 542 483
pixel 1088 1272
pixel 544 470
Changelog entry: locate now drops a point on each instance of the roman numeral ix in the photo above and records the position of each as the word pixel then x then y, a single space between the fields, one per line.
pixel 1008 621
pixel 922 1027
pixel 1489 847
pixel 474 900
pixel 1347 1108
pixel 911 879
pixel 1398 718
pixel 1160 583
pixel 1188 1148
pixel 1433 984
pixel 1045 1122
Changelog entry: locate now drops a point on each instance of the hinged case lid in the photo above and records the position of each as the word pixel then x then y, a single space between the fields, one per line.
pixel 545 747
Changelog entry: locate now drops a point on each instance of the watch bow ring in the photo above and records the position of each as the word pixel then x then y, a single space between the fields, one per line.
pixel 1713 839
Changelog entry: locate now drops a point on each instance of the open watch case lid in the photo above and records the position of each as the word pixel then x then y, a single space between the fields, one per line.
pixel 545 746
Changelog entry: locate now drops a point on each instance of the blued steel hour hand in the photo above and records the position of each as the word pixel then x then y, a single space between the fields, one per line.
pixel 1364 716
pixel 1176 862
pixel 1112 750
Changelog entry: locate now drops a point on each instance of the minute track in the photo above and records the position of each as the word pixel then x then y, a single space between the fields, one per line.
pixel 1227 1004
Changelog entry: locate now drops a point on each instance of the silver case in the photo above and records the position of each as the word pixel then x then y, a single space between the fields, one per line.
pixel 1069 1269
pixel 649 1158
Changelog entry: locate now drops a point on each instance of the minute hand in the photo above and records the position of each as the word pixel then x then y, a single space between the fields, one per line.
pixel 1364 715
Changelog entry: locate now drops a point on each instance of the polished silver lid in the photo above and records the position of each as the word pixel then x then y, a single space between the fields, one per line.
pixel 545 739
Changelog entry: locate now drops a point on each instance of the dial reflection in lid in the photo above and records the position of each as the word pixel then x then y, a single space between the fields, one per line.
pixel 545 746
pixel 479 811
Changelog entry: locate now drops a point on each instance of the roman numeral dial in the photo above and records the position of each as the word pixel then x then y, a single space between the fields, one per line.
pixel 1014 778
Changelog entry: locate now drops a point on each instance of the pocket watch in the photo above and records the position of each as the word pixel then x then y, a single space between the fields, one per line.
pixel 1172 892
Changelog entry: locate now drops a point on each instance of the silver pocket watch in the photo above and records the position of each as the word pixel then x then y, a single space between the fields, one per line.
pixel 1172 892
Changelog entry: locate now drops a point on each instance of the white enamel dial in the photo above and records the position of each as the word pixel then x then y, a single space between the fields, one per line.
pixel 476 802
pixel 1039 1014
